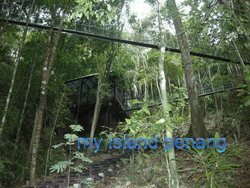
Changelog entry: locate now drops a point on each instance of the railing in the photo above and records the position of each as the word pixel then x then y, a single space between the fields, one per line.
pixel 41 19
pixel 128 101
pixel 77 24
pixel 208 89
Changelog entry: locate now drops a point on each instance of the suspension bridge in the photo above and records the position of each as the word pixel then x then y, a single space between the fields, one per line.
pixel 22 13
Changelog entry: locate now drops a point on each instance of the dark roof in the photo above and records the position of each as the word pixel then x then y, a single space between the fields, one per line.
pixel 86 82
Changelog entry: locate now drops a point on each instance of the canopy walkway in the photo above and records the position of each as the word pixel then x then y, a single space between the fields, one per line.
pixel 18 15
pixel 126 100
pixel 84 90
pixel 209 90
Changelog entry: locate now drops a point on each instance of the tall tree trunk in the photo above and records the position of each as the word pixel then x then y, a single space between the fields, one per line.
pixel 39 117
pixel 25 101
pixel 98 105
pixel 197 124
pixel 152 90
pixel 102 77
pixel 170 157
pixel 173 177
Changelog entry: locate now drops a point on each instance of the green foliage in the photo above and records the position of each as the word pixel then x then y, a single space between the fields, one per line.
pixel 80 156
pixel 90 9
pixel 146 123
pixel 88 181
pixel 76 128
pixel 141 124
pixel 62 166
pixel 215 169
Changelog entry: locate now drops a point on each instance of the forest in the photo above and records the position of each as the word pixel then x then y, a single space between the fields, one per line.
pixel 124 93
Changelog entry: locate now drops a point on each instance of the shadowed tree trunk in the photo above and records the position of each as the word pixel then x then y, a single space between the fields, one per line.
pixel 40 111
pixel 197 124
pixel 102 79
pixel 98 105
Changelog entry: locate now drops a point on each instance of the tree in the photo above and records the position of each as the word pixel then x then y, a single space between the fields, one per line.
pixel 39 117
pixel 104 70
pixel 173 177
pixel 197 124
pixel 170 156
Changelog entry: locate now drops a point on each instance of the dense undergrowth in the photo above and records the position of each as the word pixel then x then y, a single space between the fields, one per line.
pixel 196 168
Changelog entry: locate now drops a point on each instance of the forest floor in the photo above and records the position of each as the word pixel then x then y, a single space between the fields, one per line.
pixel 230 169
pixel 152 172
pixel 195 168
pixel 149 169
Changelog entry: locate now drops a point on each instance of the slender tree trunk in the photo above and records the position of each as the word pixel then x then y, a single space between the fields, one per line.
pixel 25 102
pixel 51 135
pixel 200 82
pixel 178 80
pixel 6 108
pixel 197 124
pixel 98 105
pixel 173 177
pixel 135 86
pixel 169 85
pixel 137 68
pixel 99 96
pixel 144 63
pixel 103 75
pixel 170 157
pixel 151 90
pixel 158 87
pixel 229 71
pixel 240 57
